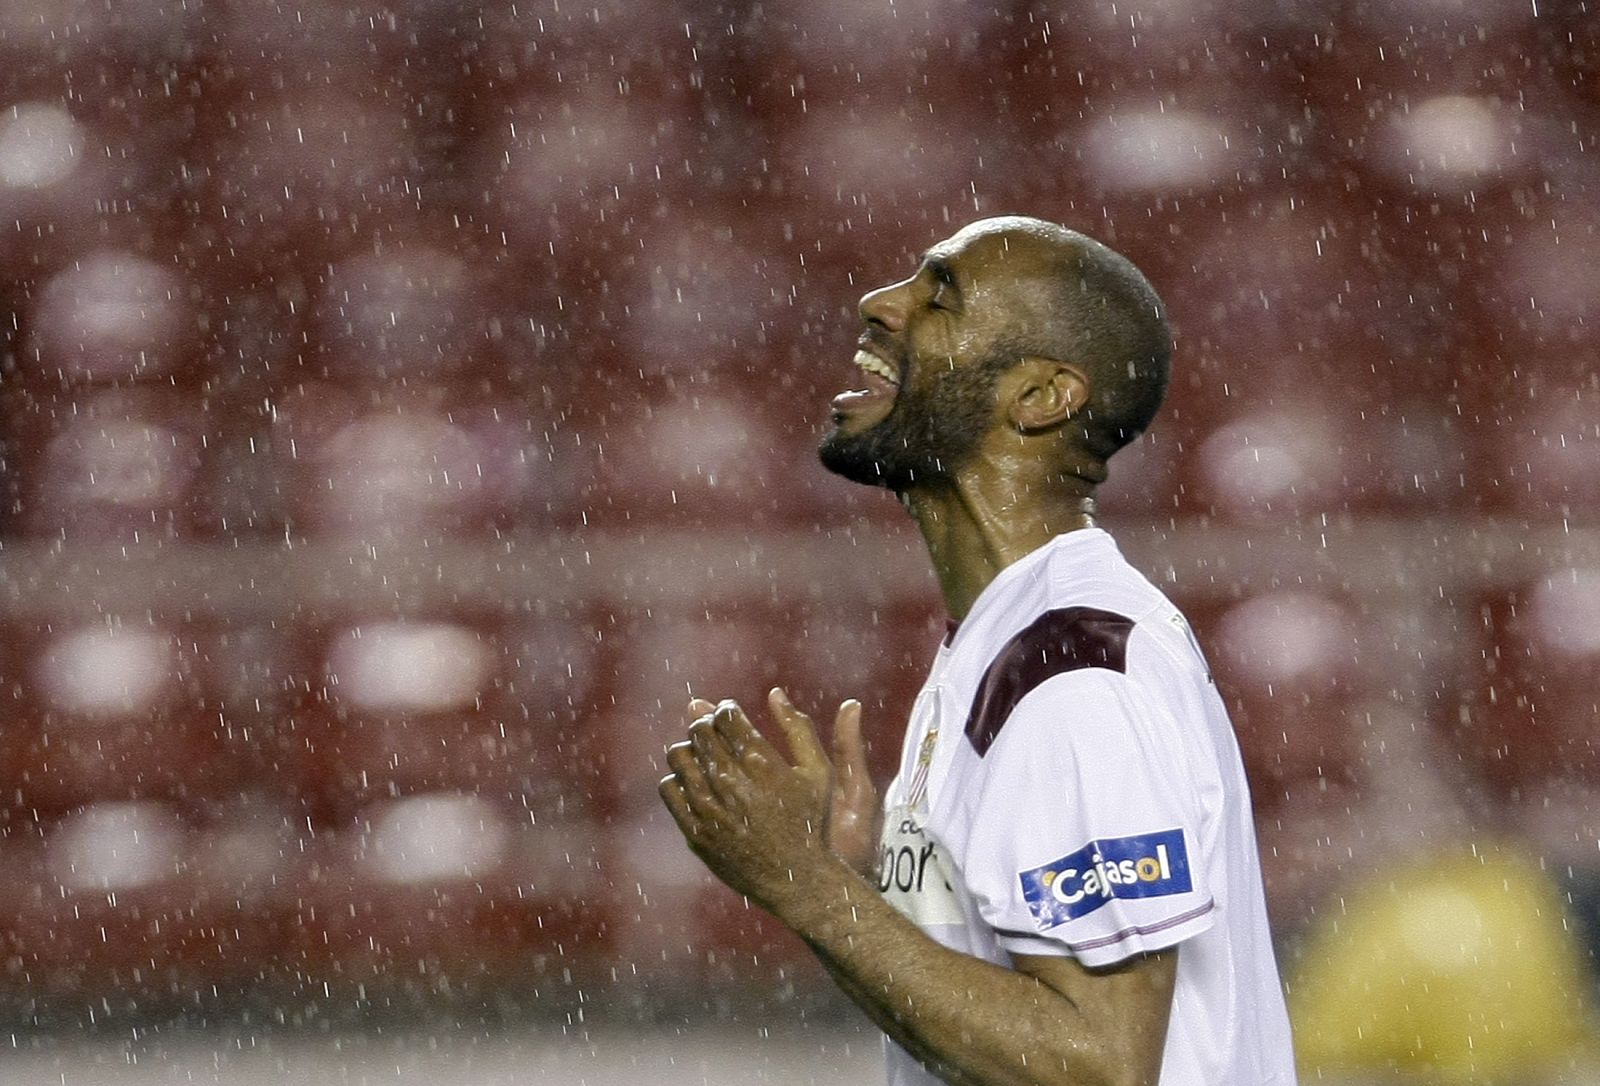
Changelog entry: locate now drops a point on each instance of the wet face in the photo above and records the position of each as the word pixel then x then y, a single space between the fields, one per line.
pixel 930 359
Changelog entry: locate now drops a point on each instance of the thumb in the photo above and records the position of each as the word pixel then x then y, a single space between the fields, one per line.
pixel 849 752
pixel 804 746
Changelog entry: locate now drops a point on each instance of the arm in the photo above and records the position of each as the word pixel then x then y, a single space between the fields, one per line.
pixel 760 824
pixel 971 1022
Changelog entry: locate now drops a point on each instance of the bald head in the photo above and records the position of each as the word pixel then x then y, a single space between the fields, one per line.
pixel 1098 312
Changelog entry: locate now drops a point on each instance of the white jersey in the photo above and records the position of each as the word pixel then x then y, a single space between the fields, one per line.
pixel 1070 785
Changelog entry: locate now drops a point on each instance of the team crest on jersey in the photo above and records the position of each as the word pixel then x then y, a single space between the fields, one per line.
pixel 1148 865
pixel 919 779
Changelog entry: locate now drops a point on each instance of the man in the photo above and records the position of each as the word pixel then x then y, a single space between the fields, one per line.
pixel 1066 886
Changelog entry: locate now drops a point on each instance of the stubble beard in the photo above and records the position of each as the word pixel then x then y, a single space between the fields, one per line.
pixel 930 433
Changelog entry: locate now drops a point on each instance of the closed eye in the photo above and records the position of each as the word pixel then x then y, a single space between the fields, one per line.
pixel 941 298
pixel 945 293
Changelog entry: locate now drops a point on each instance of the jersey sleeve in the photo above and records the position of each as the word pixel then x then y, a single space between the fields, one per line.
pixel 1079 830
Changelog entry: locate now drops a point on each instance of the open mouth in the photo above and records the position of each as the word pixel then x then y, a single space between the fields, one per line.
pixel 868 362
pixel 880 384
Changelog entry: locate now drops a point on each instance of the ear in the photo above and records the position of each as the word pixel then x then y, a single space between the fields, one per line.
pixel 1041 393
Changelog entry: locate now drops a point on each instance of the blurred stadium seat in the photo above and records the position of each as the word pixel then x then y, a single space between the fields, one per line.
pixel 1435 107
pixel 569 171
pixel 302 175
pixel 1288 272
pixel 104 464
pixel 811 66
pixel 95 139
pixel 1290 666
pixel 407 460
pixel 1142 487
pixel 1529 711
pixel 1269 464
pixel 707 304
pixel 400 314
pixel 1302 673
pixel 41 145
pixel 1325 458
pixel 50 185
pixel 111 316
pixel 716 454
pixel 440 896
pixel 684 937
pixel 1528 392
pixel 419 706
pixel 108 918
pixel 1536 293
pixel 1317 368
pixel 877 655
pixel 1548 453
pixel 312 43
pixel 107 712
pixel 143 28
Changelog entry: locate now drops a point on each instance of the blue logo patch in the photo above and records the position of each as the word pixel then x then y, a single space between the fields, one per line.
pixel 1149 865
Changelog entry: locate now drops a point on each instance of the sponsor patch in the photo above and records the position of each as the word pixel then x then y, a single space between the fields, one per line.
pixel 1149 865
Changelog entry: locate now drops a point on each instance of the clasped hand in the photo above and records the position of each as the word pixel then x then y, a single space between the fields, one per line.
pixel 757 819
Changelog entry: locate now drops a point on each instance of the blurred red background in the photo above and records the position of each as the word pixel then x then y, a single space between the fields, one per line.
pixel 406 406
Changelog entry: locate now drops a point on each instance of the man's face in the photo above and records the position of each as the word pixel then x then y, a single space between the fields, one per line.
pixel 929 361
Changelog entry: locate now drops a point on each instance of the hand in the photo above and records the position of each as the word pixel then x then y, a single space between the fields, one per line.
pixel 853 811
pixel 755 819
pixel 854 817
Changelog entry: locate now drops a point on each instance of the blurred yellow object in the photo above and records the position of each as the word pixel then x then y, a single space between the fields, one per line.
pixel 1460 969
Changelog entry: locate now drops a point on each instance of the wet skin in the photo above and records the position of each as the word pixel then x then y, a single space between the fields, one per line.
pixel 973 436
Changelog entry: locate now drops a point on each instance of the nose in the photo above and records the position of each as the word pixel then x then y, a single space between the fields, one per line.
pixel 886 306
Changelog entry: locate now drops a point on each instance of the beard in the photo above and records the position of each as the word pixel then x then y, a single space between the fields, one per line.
pixel 929 434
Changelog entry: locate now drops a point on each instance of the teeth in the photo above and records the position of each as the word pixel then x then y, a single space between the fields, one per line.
pixel 873 364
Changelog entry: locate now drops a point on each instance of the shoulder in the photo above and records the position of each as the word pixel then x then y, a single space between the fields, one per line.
pixel 1056 642
pixel 1082 609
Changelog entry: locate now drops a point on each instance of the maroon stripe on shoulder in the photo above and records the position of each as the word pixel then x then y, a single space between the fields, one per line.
pixel 1067 639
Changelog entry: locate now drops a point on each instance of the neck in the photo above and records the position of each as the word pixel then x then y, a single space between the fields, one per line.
pixel 978 524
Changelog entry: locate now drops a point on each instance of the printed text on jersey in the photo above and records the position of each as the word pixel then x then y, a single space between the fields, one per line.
pixel 1147 865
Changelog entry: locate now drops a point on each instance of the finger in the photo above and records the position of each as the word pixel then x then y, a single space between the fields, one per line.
pixel 849 751
pixel 740 735
pixel 804 746
pixel 672 794
pixel 702 801
pixel 699 707
pixel 722 770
